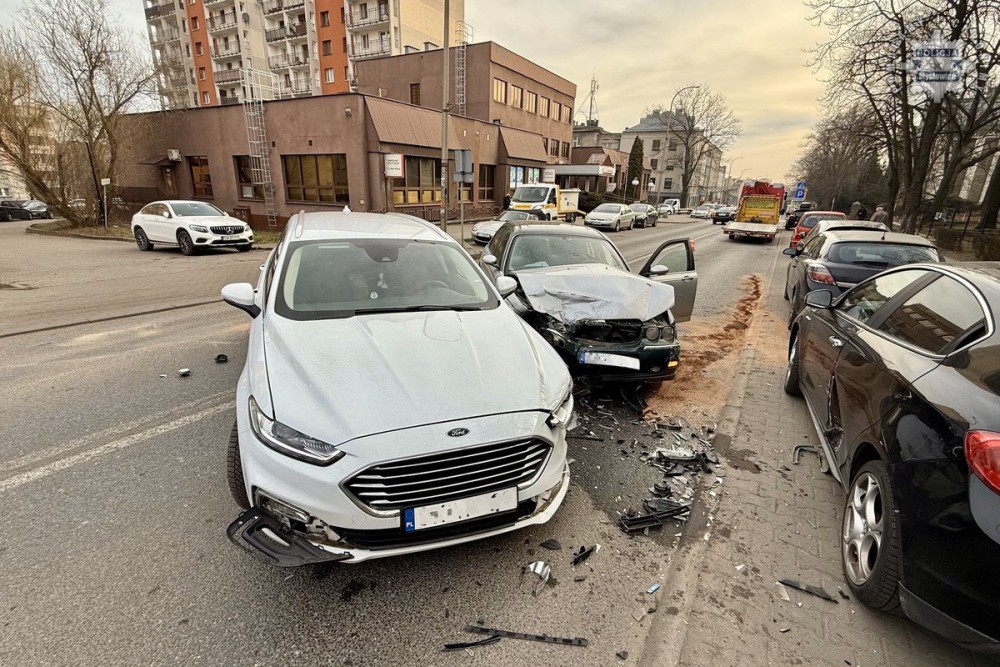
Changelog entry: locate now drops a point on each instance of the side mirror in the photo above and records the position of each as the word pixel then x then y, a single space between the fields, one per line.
pixel 506 286
pixel 791 252
pixel 242 296
pixel 490 260
pixel 822 299
pixel 658 270
pixel 166 214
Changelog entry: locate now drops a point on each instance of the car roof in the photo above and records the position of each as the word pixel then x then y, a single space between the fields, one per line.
pixel 180 201
pixel 877 235
pixel 815 212
pixel 324 225
pixel 564 230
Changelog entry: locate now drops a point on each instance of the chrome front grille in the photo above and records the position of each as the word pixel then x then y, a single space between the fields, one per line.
pixel 227 229
pixel 439 478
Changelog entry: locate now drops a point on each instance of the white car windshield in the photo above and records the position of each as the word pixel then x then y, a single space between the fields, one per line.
pixel 638 207
pixel 183 209
pixel 327 279
pixel 607 208
pixel 530 194
pixel 537 251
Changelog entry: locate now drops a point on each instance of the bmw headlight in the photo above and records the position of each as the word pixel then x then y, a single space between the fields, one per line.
pixel 561 414
pixel 288 441
pixel 199 228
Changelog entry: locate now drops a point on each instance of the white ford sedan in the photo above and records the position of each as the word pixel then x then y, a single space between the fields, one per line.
pixel 189 225
pixel 390 402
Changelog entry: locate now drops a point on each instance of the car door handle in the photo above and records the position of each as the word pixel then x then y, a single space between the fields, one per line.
pixel 687 279
pixel 836 342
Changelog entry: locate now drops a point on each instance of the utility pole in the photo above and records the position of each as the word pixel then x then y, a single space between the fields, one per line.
pixel 445 57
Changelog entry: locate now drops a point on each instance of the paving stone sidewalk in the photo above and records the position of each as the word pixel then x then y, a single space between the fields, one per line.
pixel 782 521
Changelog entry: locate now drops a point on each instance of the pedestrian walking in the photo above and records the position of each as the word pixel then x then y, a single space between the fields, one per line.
pixel 506 201
pixel 862 213
pixel 880 214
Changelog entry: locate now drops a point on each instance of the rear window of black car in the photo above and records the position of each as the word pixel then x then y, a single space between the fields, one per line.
pixel 879 254
pixel 940 315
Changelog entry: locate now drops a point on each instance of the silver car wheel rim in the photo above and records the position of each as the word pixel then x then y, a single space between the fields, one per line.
pixel 863 523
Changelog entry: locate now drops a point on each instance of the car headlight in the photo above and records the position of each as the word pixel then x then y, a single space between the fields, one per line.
pixel 652 333
pixel 561 413
pixel 199 228
pixel 290 442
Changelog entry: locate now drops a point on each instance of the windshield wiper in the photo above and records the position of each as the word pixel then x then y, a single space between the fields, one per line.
pixel 413 309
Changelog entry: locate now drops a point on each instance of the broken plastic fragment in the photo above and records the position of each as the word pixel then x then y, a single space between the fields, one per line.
pixel 812 590
pixel 541 570
pixel 486 641
pixel 551 544
pixel 184 372
pixel 783 630
pixel 584 553
pixel 221 358
pixel 653 587
pixel 783 593
pixel 741 568
pixel 622 655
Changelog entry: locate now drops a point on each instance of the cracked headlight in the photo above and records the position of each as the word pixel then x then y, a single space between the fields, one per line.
pixel 199 228
pixel 290 442
pixel 561 414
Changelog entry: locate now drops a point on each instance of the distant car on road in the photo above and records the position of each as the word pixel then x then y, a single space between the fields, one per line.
pixel 703 211
pixel 482 232
pixel 724 215
pixel 902 378
pixel 189 225
pixel 809 219
pixel 666 208
pixel 792 218
pixel 645 215
pixel 351 440
pixel 611 216
pixel 11 209
pixel 838 260
pixel 38 210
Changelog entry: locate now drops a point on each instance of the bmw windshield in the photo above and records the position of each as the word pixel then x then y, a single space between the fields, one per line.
pixel 329 279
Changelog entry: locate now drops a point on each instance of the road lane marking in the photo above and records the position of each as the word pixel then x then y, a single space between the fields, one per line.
pixel 44 471
pixel 51 452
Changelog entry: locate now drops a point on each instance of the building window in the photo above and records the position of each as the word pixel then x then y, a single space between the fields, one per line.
pixel 656 145
pixel 342 15
pixel 327 47
pixel 199 49
pixel 543 107
pixel 195 98
pixel 324 19
pixel 201 178
pixel 205 98
pixel 531 102
pixel 556 110
pixel 516 96
pixel 316 178
pixel 672 146
pixel 187 50
pixel 654 164
pixel 201 73
pixel 421 183
pixel 487 182
pixel 244 179
pixel 415 93
pixel 668 183
pixel 567 113
pixel 194 23
pixel 554 148
pixel 328 73
pixel 565 149
pixel 499 91
pixel 545 144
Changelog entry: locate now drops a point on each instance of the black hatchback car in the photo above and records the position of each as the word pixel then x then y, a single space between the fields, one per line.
pixel 902 379
pixel 723 215
pixel 11 209
pixel 837 260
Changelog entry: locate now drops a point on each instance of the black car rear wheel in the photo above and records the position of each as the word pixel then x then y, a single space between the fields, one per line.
pixel 870 539
pixel 792 387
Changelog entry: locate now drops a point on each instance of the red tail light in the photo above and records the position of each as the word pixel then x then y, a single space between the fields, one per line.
pixel 982 451
pixel 820 274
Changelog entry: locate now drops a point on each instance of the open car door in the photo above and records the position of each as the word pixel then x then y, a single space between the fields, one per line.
pixel 673 264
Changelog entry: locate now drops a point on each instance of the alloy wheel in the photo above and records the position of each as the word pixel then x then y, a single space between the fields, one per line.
pixel 863 527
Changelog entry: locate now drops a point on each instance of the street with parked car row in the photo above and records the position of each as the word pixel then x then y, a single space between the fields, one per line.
pixel 114 470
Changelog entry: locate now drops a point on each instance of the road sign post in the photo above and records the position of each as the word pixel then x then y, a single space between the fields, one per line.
pixel 105 182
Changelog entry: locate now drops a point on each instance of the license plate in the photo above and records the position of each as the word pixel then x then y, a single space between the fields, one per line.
pixel 430 516
pixel 605 359
pixel 230 238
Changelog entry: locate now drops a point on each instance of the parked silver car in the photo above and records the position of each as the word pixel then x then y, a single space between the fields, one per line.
pixel 611 216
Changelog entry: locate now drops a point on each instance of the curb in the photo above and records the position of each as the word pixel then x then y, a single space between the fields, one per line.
pixel 668 633
pixel 108 318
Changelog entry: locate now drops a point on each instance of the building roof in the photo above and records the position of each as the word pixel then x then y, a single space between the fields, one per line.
pixel 523 145
pixel 399 123
pixel 661 122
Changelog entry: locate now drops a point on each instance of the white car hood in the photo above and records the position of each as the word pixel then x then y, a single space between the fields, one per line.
pixel 602 216
pixel 594 292
pixel 209 220
pixel 341 379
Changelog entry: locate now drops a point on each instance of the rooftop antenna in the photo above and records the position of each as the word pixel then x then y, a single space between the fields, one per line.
pixel 592 99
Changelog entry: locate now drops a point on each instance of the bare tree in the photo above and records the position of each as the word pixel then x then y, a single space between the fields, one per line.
pixel 702 123
pixel 868 52
pixel 68 73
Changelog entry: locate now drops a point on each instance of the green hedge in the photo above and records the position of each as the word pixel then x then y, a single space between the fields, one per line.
pixel 986 246
pixel 948 239
pixel 589 201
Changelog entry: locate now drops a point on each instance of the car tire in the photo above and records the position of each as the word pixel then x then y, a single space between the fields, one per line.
pixel 234 470
pixel 185 243
pixel 244 248
pixel 870 521
pixel 618 225
pixel 141 240
pixel 792 387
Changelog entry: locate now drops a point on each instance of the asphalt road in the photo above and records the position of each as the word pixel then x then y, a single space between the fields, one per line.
pixel 113 483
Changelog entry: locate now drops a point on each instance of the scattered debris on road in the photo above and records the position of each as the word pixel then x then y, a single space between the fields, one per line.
pixel 824 465
pixel 812 590
pixel 565 641
pixel 540 569
pixel 622 655
pixel 184 372
pixel 741 568
pixel 584 553
pixel 552 545
pixel 653 587
pixel 458 646
pixel 783 592
pixel 221 358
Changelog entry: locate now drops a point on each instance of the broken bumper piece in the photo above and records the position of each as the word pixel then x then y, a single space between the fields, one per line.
pixel 266 539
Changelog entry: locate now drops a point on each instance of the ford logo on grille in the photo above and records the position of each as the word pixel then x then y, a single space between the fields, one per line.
pixel 458 432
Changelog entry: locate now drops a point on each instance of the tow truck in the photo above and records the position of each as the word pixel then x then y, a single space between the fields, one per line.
pixel 758 212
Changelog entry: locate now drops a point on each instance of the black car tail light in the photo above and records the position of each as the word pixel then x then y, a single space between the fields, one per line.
pixel 982 451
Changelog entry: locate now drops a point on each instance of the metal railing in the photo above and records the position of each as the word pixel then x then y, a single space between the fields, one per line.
pixel 376 48
pixel 227 101
pixel 273 7
pixel 360 19
pixel 286 32
pixel 158 11
pixel 228 76
pixel 165 35
pixel 215 2
pixel 299 85
pixel 226 51
pixel 225 22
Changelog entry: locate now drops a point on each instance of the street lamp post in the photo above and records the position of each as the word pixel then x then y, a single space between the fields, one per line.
pixel 635 186
pixel 670 109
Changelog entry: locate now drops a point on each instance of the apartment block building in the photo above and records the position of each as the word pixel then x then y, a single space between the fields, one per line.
pixel 501 87
pixel 309 46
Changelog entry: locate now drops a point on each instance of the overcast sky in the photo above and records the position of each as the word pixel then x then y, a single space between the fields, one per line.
pixel 752 51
